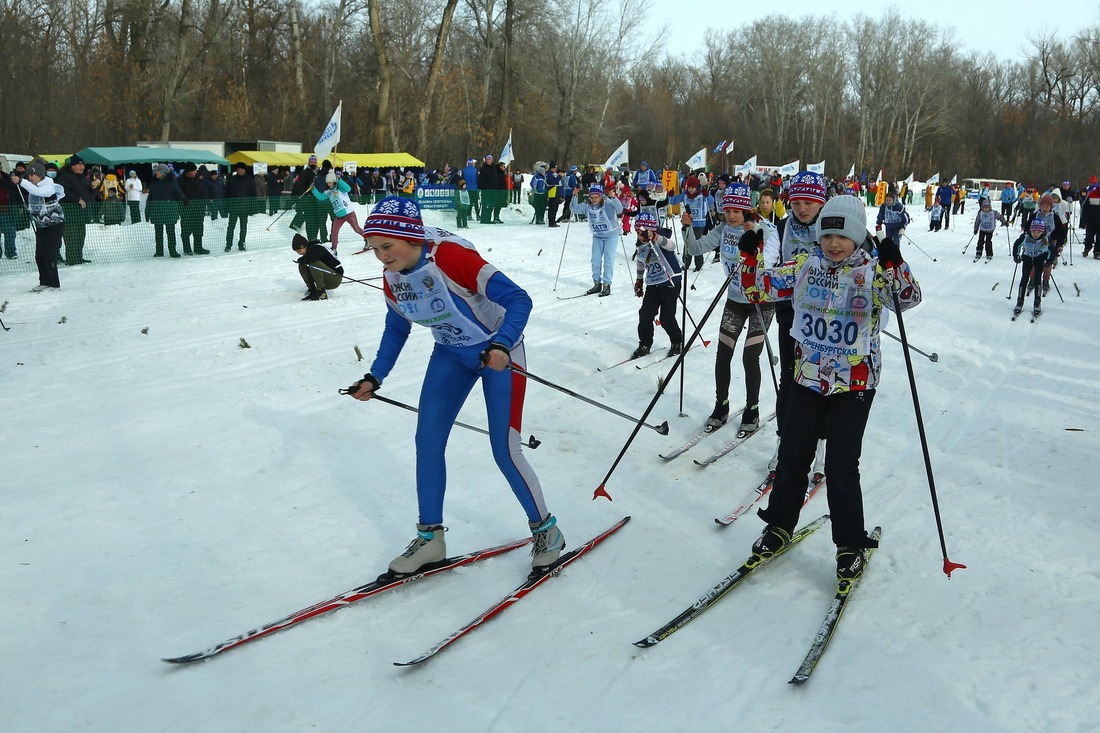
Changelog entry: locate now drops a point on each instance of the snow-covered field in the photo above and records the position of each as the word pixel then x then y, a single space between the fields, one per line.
pixel 166 489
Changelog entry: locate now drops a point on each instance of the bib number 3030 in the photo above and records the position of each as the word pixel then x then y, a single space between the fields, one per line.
pixel 832 331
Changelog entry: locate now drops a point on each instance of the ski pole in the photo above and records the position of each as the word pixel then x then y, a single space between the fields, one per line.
pixel 562 258
pixel 968 242
pixel 764 334
pixel 683 298
pixel 948 566
pixel 1014 269
pixel 280 216
pixel 1056 288
pixel 345 277
pixel 922 250
pixel 601 490
pixel 661 429
pixel 533 442
pixel 931 357
pixel 3 326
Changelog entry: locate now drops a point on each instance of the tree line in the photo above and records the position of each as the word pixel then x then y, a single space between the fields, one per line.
pixel 447 79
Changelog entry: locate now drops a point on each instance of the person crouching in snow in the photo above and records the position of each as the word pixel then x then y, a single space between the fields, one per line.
pixel 602 212
pixel 984 225
pixel 335 189
pixel 740 311
pixel 319 268
pixel 658 284
pixel 477 316
pixel 838 292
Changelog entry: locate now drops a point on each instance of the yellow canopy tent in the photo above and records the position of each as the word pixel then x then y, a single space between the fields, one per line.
pixel 362 160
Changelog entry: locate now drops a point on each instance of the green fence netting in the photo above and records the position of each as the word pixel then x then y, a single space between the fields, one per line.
pixel 115 232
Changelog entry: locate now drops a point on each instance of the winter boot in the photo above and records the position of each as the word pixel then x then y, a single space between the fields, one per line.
pixel 769 543
pixel 428 547
pixel 548 544
pixel 718 418
pixel 750 419
pixel 849 564
pixel 641 351
pixel 310 294
pixel 675 349
pixel 605 290
pixel 596 287
pixel 187 249
pixel 173 253
pixel 200 251
pixel 317 295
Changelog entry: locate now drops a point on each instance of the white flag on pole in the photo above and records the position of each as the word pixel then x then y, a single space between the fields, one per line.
pixel 817 168
pixel 933 180
pixel 331 135
pixel 729 148
pixel 749 166
pixel 852 171
pixel 506 154
pixel 909 181
pixel 699 160
pixel 954 179
pixel 622 155
pixel 790 169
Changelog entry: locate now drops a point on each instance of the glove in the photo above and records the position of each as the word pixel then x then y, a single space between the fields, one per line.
pixel 1016 258
pixel 750 242
pixel 878 228
pixel 889 254
pixel 975 233
pixel 638 287
pixel 375 383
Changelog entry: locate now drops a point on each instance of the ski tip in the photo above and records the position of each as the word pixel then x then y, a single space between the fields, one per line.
pixel 798 679
pixel 663 428
pixel 186 659
pixel 601 491
pixel 646 642
pixel 950 567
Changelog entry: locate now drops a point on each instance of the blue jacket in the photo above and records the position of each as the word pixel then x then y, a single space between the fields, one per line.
pixel 469 174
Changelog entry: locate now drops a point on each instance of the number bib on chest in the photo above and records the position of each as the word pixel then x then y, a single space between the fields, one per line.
pixel 598 223
pixel 423 298
pixel 832 311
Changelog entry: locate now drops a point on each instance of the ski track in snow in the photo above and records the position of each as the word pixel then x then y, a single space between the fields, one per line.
pixel 166 491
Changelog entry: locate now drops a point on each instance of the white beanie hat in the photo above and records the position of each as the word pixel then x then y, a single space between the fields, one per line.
pixel 843 215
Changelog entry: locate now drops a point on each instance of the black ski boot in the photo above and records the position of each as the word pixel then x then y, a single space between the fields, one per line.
pixel 718 418
pixel 596 287
pixel 641 351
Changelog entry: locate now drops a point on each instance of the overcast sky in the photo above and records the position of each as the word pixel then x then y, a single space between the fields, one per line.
pixel 1001 28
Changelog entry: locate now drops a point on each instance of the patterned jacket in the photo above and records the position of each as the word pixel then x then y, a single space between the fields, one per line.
pixel 838 313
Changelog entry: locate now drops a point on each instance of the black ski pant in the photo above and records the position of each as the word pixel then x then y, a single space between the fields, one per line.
pixel 842 419
pixel 1032 273
pixel 735 316
pixel 47 243
pixel 1092 236
pixel 985 241
pixel 662 299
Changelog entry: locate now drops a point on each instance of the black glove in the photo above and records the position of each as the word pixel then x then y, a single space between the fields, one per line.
pixel 750 242
pixel 1016 258
pixel 889 254
pixel 375 383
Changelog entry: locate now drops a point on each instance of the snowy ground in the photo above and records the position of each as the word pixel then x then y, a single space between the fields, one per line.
pixel 167 489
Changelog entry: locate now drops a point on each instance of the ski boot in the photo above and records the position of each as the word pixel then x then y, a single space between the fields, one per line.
pixel 596 287
pixel 426 548
pixel 605 290
pixel 849 565
pixel 750 421
pixel 718 418
pixel 548 544
pixel 675 349
pixel 641 351
pixel 770 542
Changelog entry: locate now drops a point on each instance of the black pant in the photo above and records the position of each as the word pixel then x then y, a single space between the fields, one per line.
pixel 135 211
pixel 985 240
pixel 234 217
pixel 662 299
pixel 552 211
pixel 1032 273
pixel 47 243
pixel 842 418
pixel 191 230
pixel 76 221
pixel 784 320
pixel 735 316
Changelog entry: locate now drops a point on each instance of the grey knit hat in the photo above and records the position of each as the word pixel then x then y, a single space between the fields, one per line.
pixel 843 215
pixel 35 167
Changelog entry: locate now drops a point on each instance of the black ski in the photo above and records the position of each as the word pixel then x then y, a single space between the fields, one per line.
pixel 723 587
pixel 832 618
pixel 695 439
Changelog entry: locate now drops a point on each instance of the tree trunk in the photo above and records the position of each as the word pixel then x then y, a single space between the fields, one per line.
pixel 433 77
pixel 385 76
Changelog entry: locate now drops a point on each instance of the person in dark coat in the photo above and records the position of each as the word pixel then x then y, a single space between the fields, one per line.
pixel 488 185
pixel 240 195
pixel 304 205
pixel 274 190
pixel 193 211
pixel 215 190
pixel 163 208
pixel 78 198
